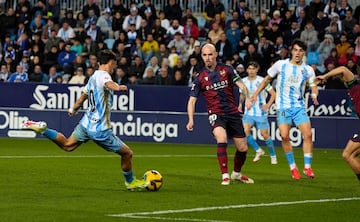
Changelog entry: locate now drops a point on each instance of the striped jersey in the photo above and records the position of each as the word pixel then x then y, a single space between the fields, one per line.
pixel 291 82
pixel 217 87
pixel 252 85
pixel 97 116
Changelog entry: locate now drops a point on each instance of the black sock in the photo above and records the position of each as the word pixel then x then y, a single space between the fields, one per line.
pixel 358 176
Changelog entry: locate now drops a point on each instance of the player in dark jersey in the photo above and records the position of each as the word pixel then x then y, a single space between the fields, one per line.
pixel 216 83
pixel 352 149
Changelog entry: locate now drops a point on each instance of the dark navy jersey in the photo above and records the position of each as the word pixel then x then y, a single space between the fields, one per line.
pixel 217 87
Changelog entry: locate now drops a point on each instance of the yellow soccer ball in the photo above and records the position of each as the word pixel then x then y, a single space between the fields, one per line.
pixel 155 179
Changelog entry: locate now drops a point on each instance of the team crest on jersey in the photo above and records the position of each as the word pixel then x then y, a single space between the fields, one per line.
pixel 206 78
pixel 222 72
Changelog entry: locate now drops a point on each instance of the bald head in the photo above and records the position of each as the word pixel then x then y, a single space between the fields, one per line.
pixel 209 54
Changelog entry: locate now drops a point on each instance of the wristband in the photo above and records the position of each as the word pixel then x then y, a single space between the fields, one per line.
pixel 72 111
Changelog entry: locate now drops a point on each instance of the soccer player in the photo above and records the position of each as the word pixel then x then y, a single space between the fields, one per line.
pixel 352 149
pixel 292 76
pixel 257 114
pixel 95 124
pixel 216 83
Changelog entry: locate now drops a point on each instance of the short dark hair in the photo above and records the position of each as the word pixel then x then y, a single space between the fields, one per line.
pixel 105 56
pixel 300 43
pixel 254 63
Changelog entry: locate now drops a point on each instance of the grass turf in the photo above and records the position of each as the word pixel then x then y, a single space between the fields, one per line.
pixel 39 182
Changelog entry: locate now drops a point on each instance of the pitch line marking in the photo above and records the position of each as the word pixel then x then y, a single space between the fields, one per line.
pixel 201 209
pixel 104 156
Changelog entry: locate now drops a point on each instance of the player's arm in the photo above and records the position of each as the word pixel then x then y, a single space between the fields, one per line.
pixel 115 87
pixel 190 112
pixel 271 100
pixel 265 82
pixel 73 110
pixel 244 93
pixel 345 75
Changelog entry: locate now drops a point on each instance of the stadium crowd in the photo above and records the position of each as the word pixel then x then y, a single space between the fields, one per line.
pixel 39 43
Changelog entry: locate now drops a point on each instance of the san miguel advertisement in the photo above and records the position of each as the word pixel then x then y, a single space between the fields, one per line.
pixel 158 114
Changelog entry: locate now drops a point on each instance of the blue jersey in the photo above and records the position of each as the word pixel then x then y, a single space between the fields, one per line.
pixel 97 116
pixel 291 82
pixel 256 108
pixel 217 88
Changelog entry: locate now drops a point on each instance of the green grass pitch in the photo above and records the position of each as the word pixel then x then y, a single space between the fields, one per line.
pixel 39 182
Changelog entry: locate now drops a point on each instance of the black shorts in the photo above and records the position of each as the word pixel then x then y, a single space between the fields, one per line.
pixel 231 123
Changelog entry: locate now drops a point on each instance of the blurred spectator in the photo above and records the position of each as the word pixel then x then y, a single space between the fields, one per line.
pixel 137 68
pixel 120 76
pixel 335 19
pixel 325 48
pixel 190 30
pixel 233 34
pixel 348 22
pixel 143 30
pixel 53 40
pixel 191 70
pixel 247 37
pixel 66 58
pixel 179 79
pixel 105 24
pixel 162 53
pixel 349 55
pixel 310 36
pixel 117 21
pixel 36 40
pixel 172 10
pixel 334 31
pixel 276 18
pixel 24 15
pixel 354 33
pixel 173 57
pixel 93 62
pixel 149 78
pixel 285 23
pixel 264 19
pixel 179 43
pixel 69 18
pixel 291 34
pixel 273 33
pixel 240 8
pixel 36 75
pixel 23 43
pixel 163 78
pixel 34 60
pixel 50 78
pixel 4 73
pixel 153 64
pixel 118 6
pixel 122 51
pixel 215 33
pixel 279 6
pixel 247 19
pixel 91 5
pixel 95 33
pixel 321 22
pixel 165 23
pixel 46 32
pixel 343 45
pixel 158 31
pixel 10 52
pixel 213 7
pixel 52 10
pixel 149 8
pixel 19 75
pixel 40 6
pixel 81 34
pixel 174 28
pixel 50 58
pixel 80 19
pixel 302 6
pixel 330 8
pixel 78 77
pixel 149 47
pixel 66 33
pixel 241 70
pixel 252 55
pixel 24 62
pixel 314 7
pixel 217 19
pixel 342 8
pixel 92 18
pixel 224 48
pixel 10 22
pixel 132 18
pixel 188 15
pixel 332 58
pixel 357 46
pixel 351 65
pixel 357 13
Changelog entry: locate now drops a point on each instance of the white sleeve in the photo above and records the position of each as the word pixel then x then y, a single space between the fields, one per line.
pixel 275 69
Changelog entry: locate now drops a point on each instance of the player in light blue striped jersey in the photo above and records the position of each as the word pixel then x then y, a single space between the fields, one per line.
pixel 257 115
pixel 293 75
pixel 95 124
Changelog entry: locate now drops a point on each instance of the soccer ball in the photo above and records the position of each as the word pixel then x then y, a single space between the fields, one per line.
pixel 155 179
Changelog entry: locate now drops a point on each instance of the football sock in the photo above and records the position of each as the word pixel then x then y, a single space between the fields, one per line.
pixel 222 157
pixel 290 158
pixel 239 160
pixel 50 134
pixel 270 145
pixel 128 176
pixel 250 140
pixel 358 176
pixel 307 160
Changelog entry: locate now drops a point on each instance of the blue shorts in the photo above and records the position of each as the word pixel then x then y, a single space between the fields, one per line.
pixel 260 122
pixel 297 116
pixel 106 139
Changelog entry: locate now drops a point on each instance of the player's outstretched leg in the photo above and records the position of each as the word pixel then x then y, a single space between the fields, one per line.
pixel 351 153
pixel 270 145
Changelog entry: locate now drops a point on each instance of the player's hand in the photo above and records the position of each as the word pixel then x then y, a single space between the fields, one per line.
pixel 315 101
pixel 265 107
pixel 253 98
pixel 72 112
pixel 320 79
pixel 248 103
pixel 123 88
pixel 190 126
